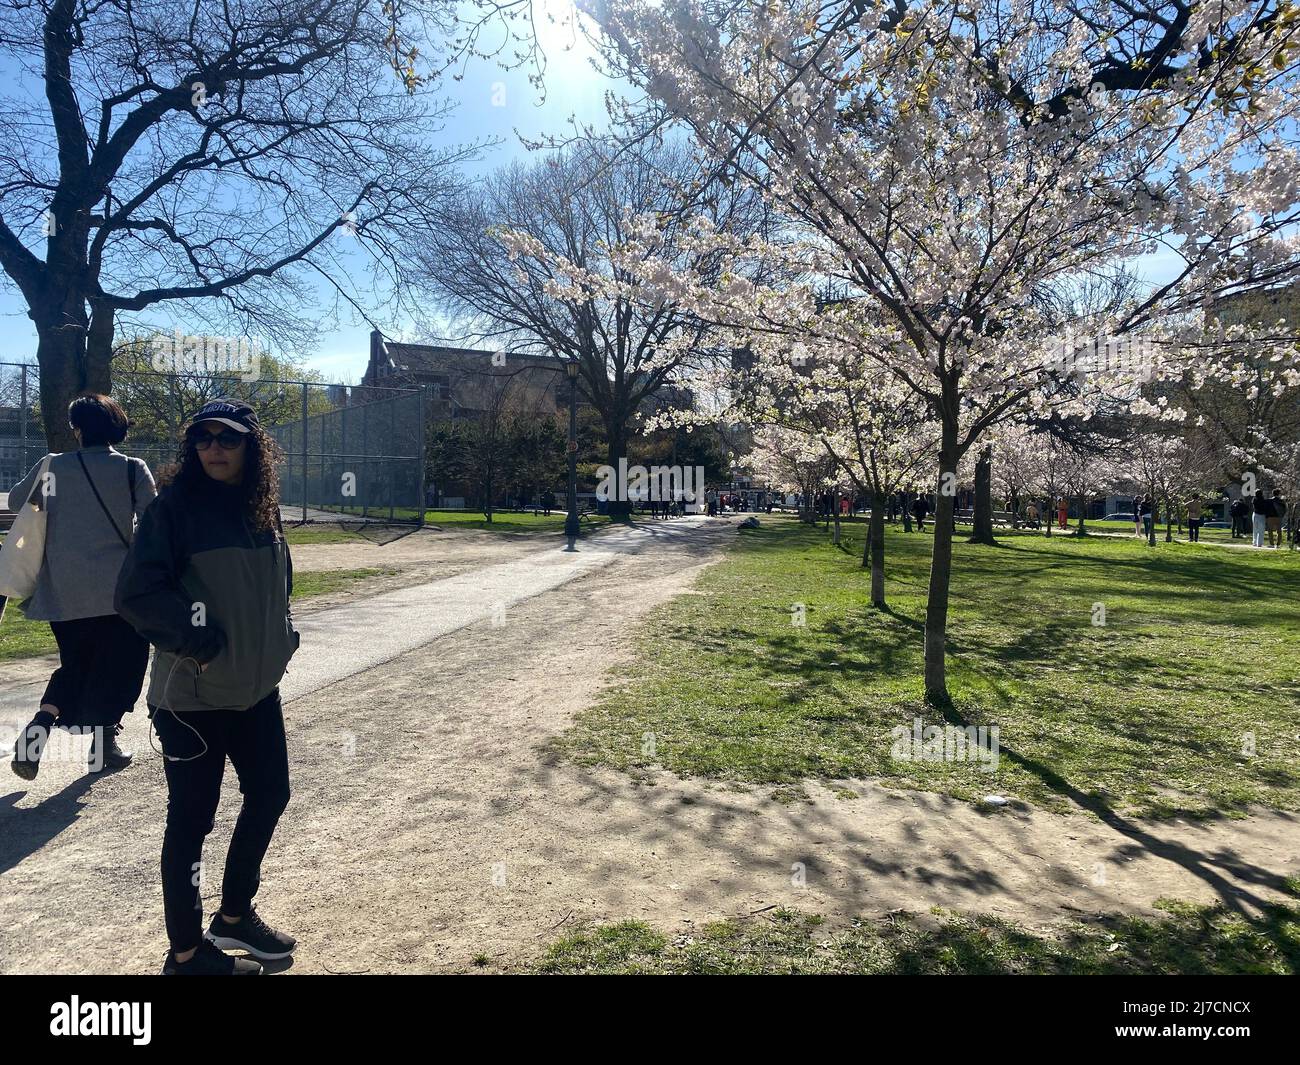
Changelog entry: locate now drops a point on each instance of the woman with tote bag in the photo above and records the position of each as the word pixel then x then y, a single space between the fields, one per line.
pixel 90 499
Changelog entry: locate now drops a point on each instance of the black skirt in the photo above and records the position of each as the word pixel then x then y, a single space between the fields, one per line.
pixel 101 670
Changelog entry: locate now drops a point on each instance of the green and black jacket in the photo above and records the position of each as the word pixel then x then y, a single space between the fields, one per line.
pixel 203 587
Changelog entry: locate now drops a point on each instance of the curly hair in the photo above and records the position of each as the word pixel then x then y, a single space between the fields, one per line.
pixel 261 483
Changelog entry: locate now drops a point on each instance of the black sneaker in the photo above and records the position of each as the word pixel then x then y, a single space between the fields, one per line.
pixel 112 756
pixel 208 961
pixel 30 744
pixel 252 934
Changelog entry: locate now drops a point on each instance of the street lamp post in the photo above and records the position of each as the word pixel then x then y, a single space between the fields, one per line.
pixel 571 519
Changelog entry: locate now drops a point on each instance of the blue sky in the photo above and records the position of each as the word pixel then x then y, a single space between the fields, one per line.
pixel 492 104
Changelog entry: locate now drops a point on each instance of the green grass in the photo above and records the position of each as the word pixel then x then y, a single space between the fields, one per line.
pixel 20 638
pixel 1152 714
pixel 1190 940
pixel 307 585
pixel 23 638
pixel 509 521
pixel 322 534
pixel 502 521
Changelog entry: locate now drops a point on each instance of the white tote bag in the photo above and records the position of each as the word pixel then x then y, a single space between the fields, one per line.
pixel 24 547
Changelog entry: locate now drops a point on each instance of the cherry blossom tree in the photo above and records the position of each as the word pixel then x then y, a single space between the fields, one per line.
pixel 874 430
pixel 793 461
pixel 959 168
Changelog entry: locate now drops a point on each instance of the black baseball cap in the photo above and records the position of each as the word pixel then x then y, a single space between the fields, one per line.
pixel 239 416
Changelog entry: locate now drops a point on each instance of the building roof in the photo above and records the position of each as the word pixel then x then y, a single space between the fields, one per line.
pixel 1259 306
pixel 389 358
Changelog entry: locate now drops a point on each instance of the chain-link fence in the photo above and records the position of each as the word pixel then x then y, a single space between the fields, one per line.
pixel 356 452
pixel 353 453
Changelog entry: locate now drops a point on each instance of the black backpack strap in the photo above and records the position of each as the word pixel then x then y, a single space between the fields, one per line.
pixel 125 542
pixel 131 471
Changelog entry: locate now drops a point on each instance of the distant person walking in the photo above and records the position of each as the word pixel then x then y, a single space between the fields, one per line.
pixel 208 581
pixel 1062 513
pixel 920 508
pixel 1147 514
pixel 1194 512
pixel 1239 512
pixel 92 497
pixel 1273 519
pixel 1260 508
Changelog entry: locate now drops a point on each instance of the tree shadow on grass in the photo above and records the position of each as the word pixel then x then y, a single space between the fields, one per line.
pixel 1200 865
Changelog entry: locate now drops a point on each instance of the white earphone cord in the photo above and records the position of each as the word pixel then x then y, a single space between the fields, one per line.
pixel 163 706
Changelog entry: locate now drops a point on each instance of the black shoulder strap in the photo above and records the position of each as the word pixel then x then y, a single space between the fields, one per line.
pixel 130 480
pixel 125 542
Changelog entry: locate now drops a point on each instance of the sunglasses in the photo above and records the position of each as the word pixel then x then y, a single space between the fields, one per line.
pixel 227 438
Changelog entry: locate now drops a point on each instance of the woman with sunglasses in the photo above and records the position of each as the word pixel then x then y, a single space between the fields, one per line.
pixel 207 582
pixel 92 498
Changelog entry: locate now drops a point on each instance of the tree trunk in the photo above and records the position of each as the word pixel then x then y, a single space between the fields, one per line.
pixel 907 515
pixel 99 348
pixel 983 531
pixel 936 607
pixel 835 506
pixel 60 353
pixel 1015 510
pixel 616 431
pixel 74 343
pixel 876 546
pixel 1083 508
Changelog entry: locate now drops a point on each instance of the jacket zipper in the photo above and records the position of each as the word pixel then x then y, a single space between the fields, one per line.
pixel 261 650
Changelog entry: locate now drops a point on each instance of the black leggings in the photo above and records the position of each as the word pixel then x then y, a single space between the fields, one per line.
pixel 254 741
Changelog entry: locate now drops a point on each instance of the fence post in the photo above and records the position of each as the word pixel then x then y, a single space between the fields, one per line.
pixel 392 443
pixel 342 456
pixel 22 425
pixel 365 451
pixel 304 452
pixel 420 450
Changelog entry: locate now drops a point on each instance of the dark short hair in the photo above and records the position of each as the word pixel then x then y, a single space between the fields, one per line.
pixel 100 419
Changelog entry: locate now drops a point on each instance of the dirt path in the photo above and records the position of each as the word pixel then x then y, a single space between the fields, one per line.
pixel 427 826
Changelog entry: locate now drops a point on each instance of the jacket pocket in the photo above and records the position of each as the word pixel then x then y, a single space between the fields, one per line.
pixel 225 682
